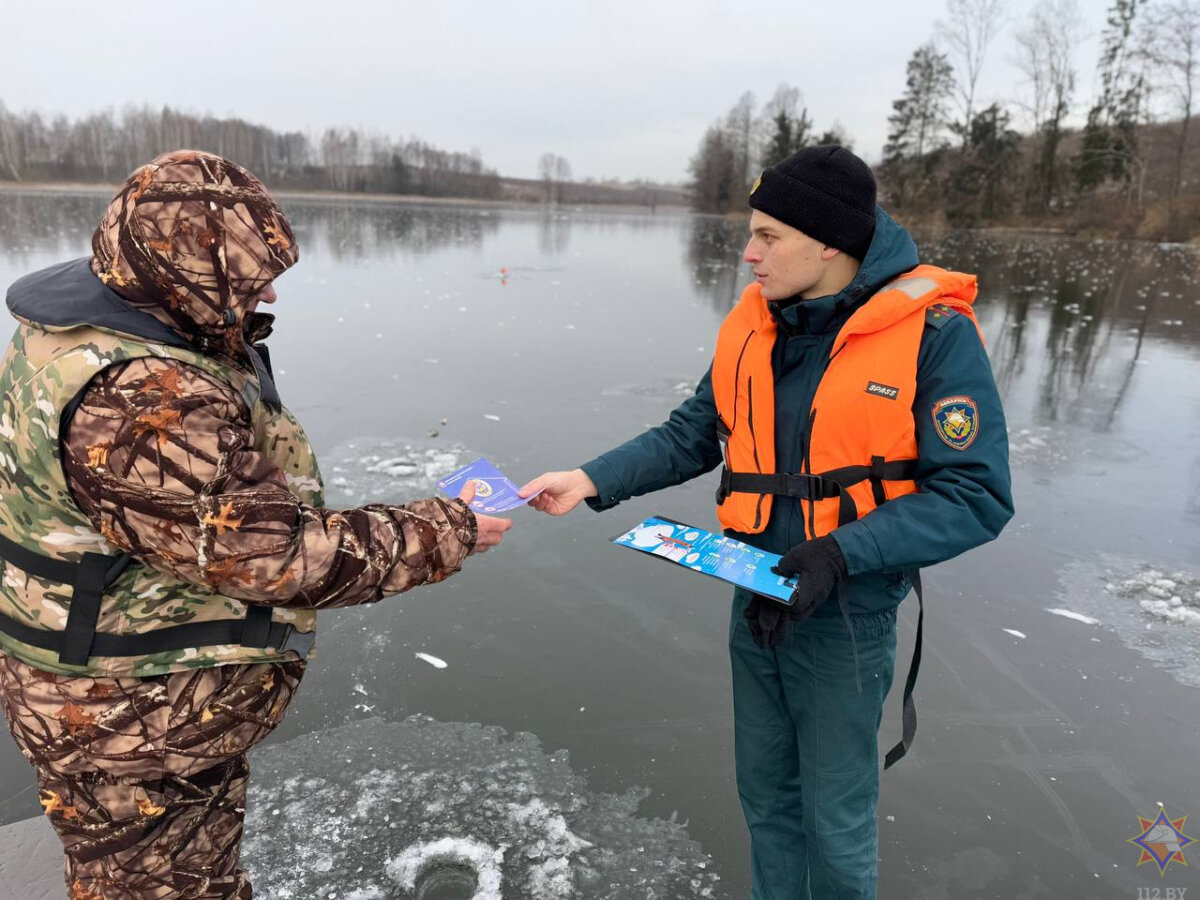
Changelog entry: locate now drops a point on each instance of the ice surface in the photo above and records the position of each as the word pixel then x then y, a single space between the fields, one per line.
pixel 364 811
pixel 669 389
pixel 1153 611
pixel 380 470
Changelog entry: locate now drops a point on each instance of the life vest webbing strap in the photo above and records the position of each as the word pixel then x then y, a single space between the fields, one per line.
pixel 91 576
pixel 818 487
pixel 909 715
pixel 784 484
pixel 281 636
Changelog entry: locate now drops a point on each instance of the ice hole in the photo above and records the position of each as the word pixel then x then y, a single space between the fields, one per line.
pixel 447 881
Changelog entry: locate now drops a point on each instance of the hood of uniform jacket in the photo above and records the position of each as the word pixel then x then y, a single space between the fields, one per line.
pixel 892 252
pixel 191 238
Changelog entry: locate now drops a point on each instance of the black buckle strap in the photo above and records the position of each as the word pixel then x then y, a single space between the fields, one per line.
pixel 281 636
pixel 784 484
pixel 881 469
pixel 91 576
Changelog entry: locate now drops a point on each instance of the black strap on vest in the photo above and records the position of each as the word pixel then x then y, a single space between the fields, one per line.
pixel 820 487
pixel 909 715
pixel 91 576
pixel 784 484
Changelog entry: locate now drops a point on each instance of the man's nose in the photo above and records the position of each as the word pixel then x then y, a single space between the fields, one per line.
pixel 751 254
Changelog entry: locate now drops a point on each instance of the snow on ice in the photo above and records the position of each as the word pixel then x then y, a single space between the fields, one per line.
pixel 370 809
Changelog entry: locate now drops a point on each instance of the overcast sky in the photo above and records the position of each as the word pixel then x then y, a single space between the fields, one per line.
pixel 621 88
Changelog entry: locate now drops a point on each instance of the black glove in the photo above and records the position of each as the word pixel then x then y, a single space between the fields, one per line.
pixel 820 566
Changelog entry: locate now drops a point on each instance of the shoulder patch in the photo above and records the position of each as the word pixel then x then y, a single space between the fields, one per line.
pixel 939 314
pixel 957 421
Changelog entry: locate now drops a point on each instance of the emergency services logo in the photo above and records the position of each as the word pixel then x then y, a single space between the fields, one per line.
pixel 1162 841
pixel 957 421
pixel 482 488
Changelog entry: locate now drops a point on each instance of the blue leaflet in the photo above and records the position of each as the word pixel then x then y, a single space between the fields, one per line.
pixel 493 492
pixel 710 554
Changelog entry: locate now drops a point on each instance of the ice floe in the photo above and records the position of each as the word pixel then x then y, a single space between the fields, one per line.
pixel 1152 610
pixel 376 809
pixel 382 470
pixel 1078 617
pixel 432 660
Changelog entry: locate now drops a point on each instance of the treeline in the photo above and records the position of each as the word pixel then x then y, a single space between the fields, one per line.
pixel 1117 162
pixel 104 147
pixel 745 141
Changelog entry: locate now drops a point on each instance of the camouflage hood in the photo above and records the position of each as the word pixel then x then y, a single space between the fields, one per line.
pixel 190 239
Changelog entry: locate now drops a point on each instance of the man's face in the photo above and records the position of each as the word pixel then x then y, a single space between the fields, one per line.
pixel 266 295
pixel 786 262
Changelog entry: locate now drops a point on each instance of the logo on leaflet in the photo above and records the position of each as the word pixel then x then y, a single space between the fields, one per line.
pixel 1162 841
pixel 482 488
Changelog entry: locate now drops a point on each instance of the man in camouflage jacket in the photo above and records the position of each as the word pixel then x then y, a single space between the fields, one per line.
pixel 142 444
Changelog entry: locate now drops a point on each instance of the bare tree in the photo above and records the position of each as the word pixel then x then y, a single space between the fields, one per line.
pixel 784 126
pixel 1171 40
pixel 1045 48
pixel 968 32
pixel 739 126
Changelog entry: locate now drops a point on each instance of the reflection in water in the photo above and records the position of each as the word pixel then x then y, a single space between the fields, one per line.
pixel 38 224
pixel 1079 311
pixel 1072 316
pixel 714 255
pixel 355 231
pixel 554 231
pixel 61 225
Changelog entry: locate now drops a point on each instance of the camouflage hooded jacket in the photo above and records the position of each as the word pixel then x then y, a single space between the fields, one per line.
pixel 174 449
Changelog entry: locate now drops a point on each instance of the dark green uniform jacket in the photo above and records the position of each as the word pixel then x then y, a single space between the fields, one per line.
pixel 965 495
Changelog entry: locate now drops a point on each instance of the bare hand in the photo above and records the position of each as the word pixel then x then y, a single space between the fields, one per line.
pixel 561 491
pixel 489 529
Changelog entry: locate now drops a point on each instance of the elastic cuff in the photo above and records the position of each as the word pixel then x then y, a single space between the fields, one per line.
pixel 470 523
pixel 859 547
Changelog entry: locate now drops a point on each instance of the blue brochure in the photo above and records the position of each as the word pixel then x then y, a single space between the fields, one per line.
pixel 710 554
pixel 493 492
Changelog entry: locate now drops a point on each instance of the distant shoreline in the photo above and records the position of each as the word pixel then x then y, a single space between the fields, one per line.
pixel 108 190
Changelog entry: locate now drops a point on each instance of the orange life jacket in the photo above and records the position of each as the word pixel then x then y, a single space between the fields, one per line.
pixel 860 445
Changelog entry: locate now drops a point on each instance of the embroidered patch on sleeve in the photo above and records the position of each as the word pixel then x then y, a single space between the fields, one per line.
pixel 957 421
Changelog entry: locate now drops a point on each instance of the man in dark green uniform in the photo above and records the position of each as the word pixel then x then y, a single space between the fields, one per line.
pixel 809 680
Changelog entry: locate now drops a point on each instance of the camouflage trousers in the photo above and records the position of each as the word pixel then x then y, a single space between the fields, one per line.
pixel 144 779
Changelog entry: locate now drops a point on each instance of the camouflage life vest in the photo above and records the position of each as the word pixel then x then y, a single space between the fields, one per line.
pixel 45 369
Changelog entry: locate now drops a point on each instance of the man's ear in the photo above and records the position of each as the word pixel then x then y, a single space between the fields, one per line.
pixel 828 253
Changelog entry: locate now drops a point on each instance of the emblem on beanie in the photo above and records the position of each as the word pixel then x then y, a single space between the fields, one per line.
pixel 757 182
pixel 957 421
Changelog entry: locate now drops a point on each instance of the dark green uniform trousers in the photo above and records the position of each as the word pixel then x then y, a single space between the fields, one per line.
pixel 807 755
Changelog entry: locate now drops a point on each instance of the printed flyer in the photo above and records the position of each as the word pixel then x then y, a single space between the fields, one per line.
pixel 709 554
pixel 493 492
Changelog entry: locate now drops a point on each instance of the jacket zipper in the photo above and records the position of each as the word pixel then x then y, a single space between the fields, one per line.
pixel 754 444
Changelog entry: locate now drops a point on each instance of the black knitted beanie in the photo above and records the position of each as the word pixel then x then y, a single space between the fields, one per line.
pixel 827 192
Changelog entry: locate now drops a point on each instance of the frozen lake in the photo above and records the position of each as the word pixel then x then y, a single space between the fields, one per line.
pixel 581 724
